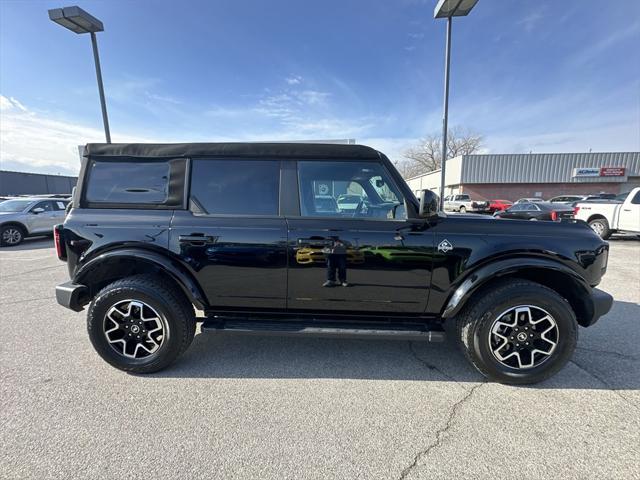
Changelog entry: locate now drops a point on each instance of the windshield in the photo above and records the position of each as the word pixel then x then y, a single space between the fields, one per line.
pixel 14 205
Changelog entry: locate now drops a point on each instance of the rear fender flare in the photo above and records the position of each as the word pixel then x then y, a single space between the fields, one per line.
pixel 168 265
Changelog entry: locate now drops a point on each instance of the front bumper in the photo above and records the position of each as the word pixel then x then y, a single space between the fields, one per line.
pixel 602 303
pixel 72 295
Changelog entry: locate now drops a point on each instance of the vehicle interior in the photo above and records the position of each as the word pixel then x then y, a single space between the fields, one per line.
pixel 371 193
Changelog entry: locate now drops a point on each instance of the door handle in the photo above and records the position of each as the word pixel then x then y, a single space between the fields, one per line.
pixel 197 239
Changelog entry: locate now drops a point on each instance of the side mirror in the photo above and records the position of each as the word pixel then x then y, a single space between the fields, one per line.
pixel 37 210
pixel 428 204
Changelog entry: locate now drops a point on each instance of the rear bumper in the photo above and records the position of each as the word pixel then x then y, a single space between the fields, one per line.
pixel 602 303
pixel 72 295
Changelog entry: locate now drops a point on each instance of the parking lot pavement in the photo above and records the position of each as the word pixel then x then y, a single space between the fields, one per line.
pixel 251 407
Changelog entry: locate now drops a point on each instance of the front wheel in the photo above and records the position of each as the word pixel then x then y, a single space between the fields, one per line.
pixel 140 324
pixel 518 332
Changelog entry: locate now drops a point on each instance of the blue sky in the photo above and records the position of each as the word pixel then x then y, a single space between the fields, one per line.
pixel 526 76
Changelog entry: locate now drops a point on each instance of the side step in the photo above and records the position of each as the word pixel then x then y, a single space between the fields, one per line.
pixel 384 331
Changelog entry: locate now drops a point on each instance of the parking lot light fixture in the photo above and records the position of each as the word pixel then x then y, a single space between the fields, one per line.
pixel 78 21
pixel 448 9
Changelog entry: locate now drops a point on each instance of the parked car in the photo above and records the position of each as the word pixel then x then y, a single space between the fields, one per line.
pixel 462 203
pixel 530 200
pixel 610 216
pixel 349 202
pixel 572 199
pixel 499 205
pixel 325 204
pixel 28 216
pixel 537 211
pixel 143 241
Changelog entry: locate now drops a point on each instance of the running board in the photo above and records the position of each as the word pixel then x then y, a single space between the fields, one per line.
pixel 417 332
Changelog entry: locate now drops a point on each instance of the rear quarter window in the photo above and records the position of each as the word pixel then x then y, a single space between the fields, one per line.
pixel 144 183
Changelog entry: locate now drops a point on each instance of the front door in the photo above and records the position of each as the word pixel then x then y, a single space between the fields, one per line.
pixel 232 237
pixel 361 255
pixel 43 217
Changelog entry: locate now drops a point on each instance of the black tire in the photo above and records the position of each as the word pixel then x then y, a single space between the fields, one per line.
pixel 463 210
pixel 172 307
pixel 11 235
pixel 600 225
pixel 475 322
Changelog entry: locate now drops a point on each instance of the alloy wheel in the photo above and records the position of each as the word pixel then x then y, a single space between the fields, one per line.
pixel 134 329
pixel 11 236
pixel 597 227
pixel 523 337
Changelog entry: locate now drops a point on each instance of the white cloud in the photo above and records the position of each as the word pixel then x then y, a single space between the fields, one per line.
pixel 598 48
pixel 29 141
pixel 530 21
pixel 294 80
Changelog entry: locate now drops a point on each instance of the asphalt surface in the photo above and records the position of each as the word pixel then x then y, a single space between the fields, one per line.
pixel 252 407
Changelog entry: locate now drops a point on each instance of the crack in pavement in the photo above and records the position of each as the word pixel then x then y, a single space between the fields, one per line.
pixel 606 384
pixel 617 354
pixel 26 300
pixel 30 271
pixel 432 367
pixel 440 433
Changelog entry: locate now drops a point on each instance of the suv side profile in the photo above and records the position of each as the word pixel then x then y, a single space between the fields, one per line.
pixel 237 232
pixel 23 217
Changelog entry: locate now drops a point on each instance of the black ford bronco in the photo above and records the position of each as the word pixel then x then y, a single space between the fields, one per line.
pixel 312 239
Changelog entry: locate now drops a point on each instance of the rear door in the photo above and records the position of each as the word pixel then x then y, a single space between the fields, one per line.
pixel 232 235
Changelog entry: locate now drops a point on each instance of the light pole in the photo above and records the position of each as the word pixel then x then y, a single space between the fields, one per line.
pixel 79 21
pixel 448 9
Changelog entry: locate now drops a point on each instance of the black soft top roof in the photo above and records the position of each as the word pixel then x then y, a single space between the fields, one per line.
pixel 273 150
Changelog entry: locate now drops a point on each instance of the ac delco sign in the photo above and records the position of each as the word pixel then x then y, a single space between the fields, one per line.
pixel 599 172
pixel 612 172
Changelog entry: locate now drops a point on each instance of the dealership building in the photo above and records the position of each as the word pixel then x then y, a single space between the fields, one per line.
pixel 514 176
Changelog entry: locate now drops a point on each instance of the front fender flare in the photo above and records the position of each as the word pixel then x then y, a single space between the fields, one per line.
pixel 475 279
pixel 171 266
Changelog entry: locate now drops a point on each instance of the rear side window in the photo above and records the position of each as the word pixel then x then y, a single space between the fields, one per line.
pixel 140 183
pixel 235 187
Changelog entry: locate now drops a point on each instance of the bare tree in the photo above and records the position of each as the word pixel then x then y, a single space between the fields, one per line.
pixel 427 155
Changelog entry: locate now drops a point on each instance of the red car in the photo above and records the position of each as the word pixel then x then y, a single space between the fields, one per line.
pixel 499 205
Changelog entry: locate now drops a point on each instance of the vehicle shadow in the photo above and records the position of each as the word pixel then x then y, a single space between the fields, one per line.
pixel 31 243
pixel 268 357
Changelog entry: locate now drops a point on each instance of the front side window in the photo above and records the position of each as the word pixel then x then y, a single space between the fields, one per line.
pixel 45 206
pixel 349 190
pixel 235 187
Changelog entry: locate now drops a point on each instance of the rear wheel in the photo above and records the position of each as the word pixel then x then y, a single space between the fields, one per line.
pixel 601 227
pixel 140 324
pixel 11 235
pixel 463 210
pixel 519 332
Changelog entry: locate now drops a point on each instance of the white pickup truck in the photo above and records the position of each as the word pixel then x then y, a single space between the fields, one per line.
pixel 610 216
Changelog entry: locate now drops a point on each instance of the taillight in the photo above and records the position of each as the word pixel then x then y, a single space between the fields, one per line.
pixel 61 250
pixel 576 210
pixel 554 215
